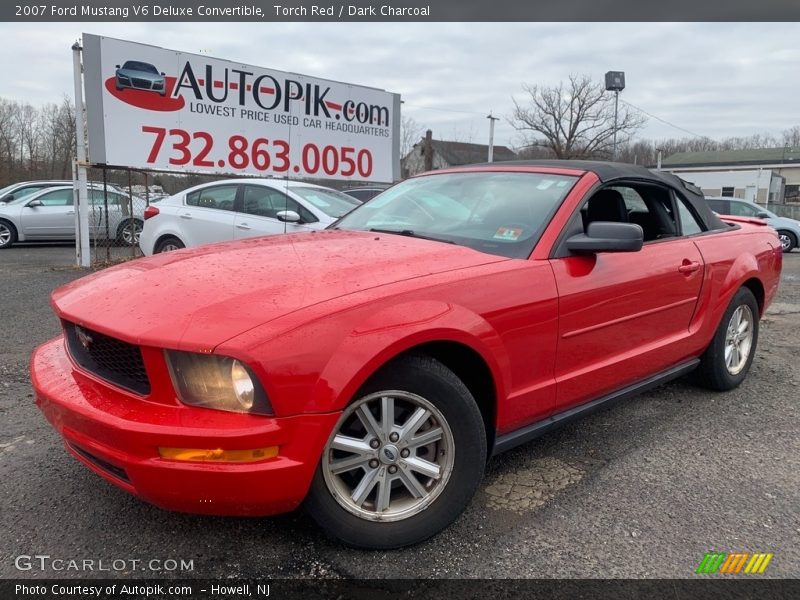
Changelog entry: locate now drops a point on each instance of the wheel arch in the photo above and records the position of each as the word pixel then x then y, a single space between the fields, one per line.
pixel 461 340
pixel 471 368
pixel 754 285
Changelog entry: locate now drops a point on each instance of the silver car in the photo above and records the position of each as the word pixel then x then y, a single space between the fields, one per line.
pixel 49 214
pixel 138 75
pixel 788 229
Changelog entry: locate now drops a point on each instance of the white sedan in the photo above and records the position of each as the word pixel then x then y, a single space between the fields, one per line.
pixel 239 208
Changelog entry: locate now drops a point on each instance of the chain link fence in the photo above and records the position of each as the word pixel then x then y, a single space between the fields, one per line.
pixel 116 216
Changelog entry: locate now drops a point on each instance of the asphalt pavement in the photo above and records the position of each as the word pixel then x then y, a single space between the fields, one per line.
pixel 643 489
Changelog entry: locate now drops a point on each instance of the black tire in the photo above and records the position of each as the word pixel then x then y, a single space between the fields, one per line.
pixel 8 234
pixel 714 371
pixel 426 378
pixel 168 244
pixel 124 238
pixel 788 240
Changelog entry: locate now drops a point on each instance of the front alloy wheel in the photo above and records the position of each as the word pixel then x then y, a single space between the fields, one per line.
pixel 390 458
pixel 404 459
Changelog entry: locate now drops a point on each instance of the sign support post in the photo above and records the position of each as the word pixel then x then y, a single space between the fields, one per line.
pixel 82 250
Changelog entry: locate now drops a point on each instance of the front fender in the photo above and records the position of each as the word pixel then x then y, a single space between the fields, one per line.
pixel 393 330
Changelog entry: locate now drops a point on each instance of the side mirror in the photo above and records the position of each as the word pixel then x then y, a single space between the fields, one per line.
pixel 163 74
pixel 34 203
pixel 116 66
pixel 288 216
pixel 762 215
pixel 606 236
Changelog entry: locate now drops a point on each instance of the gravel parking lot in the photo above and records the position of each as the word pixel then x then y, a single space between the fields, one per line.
pixel 644 489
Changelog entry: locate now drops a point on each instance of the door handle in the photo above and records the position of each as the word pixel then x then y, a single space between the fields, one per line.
pixel 688 266
pixel 243 226
pixel 70 212
pixel 186 216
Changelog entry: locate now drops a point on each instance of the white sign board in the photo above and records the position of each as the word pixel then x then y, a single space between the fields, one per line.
pixel 152 108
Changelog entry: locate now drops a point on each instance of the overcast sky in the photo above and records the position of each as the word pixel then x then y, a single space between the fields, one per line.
pixel 714 79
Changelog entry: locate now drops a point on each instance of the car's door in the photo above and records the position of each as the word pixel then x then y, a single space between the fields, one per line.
pixel 105 215
pixel 623 315
pixel 52 215
pixel 258 213
pixel 207 214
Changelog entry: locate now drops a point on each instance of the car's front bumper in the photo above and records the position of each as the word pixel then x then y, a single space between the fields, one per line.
pixel 117 435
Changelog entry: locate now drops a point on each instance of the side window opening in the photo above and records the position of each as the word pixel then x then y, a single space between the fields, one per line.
pixel 648 206
pixel 266 202
pixel 220 198
pixel 690 224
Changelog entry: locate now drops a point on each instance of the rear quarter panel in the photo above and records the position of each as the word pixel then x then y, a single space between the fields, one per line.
pixel 732 258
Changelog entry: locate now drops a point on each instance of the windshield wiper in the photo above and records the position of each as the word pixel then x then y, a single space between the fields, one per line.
pixel 411 233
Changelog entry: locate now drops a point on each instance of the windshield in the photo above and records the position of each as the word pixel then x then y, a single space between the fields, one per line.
pixel 140 66
pixel 332 203
pixel 497 213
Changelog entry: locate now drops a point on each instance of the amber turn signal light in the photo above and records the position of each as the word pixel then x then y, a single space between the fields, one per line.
pixel 218 454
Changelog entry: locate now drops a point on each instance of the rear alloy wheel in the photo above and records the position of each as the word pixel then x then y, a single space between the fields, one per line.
pixel 404 459
pixel 726 361
pixel 8 235
pixel 168 244
pixel 788 240
pixel 128 232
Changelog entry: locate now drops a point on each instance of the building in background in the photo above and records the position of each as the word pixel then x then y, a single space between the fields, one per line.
pixel 766 175
pixel 429 154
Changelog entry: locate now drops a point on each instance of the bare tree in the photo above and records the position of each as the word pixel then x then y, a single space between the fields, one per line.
pixel 574 119
pixel 791 136
pixel 410 134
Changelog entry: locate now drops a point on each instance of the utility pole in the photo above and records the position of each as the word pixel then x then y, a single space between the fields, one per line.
pixel 615 82
pixel 491 135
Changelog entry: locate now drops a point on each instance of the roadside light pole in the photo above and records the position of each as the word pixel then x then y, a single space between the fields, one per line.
pixel 491 135
pixel 615 82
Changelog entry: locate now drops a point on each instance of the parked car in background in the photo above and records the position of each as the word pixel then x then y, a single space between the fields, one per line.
pixel 370 370
pixel 788 229
pixel 23 188
pixel 240 208
pixel 49 214
pixel 364 193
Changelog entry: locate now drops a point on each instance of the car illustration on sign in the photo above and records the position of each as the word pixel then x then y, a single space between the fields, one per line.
pixel 138 75
pixel 368 371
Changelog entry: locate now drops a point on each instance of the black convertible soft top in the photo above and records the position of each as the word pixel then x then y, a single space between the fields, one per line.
pixel 611 171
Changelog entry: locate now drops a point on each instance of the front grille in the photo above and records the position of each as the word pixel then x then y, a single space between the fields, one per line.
pixel 106 466
pixel 111 359
pixel 141 83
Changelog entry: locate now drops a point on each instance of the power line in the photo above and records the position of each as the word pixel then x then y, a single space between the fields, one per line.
pixel 452 110
pixel 667 122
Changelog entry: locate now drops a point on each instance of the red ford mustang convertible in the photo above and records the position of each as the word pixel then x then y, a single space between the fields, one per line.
pixel 369 370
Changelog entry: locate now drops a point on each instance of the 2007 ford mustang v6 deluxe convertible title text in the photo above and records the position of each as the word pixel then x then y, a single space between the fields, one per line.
pixel 369 370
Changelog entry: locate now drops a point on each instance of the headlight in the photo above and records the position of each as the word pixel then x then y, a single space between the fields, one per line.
pixel 218 382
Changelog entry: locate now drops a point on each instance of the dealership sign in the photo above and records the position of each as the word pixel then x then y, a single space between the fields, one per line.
pixel 148 107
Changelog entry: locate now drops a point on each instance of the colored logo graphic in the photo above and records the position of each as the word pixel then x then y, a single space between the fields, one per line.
pixel 145 98
pixel 142 85
pixel 738 562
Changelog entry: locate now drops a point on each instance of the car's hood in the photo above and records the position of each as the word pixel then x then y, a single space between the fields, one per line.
pixel 196 299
